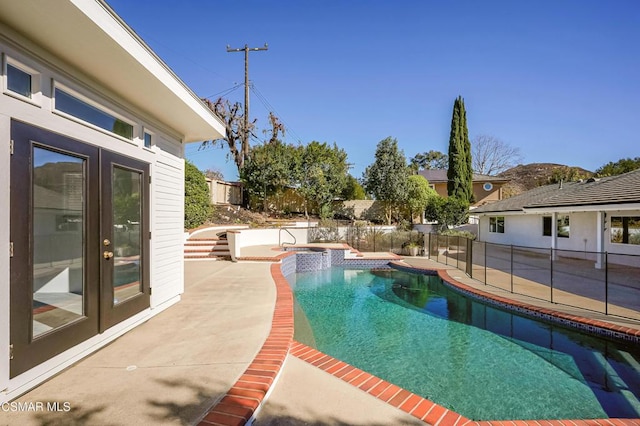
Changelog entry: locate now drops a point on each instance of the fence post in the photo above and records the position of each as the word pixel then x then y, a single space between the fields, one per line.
pixel 458 252
pixel 511 274
pixel 606 283
pixel 551 271
pixel 374 238
pixel 469 257
pixel 446 250
pixel 485 263
pixel 428 245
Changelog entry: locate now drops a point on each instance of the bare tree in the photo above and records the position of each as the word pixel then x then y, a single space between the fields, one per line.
pixel 214 174
pixel 276 128
pixel 490 155
pixel 236 136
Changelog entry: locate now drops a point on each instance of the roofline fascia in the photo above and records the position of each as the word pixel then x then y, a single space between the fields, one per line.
pixel 150 51
pixel 495 212
pixel 583 208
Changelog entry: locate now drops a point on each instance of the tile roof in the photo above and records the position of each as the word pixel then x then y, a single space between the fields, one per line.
pixel 621 189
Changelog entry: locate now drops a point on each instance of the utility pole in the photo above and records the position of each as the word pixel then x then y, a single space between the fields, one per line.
pixel 246 49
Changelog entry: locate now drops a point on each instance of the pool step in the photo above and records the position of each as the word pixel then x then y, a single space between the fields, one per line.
pixel 206 248
pixel 615 381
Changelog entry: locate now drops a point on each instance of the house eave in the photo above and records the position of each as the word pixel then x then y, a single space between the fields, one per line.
pixel 594 207
pixel 89 35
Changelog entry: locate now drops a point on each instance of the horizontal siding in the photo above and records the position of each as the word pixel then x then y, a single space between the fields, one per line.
pixel 168 223
pixel 171 162
pixel 168 147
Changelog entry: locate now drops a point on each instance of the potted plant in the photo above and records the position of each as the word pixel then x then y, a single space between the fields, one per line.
pixel 412 248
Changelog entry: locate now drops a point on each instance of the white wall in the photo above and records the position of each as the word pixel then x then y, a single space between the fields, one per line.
pixel 261 237
pixel 526 230
pixel 5 133
pixel 168 227
pixel 166 197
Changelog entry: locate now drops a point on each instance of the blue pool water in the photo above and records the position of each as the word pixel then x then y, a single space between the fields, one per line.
pixel 482 362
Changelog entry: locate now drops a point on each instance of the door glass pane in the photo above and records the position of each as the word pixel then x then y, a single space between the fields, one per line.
pixel 127 242
pixel 58 239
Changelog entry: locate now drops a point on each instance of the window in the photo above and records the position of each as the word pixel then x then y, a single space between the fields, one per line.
pixel 147 140
pixel 19 81
pixel 80 109
pixel 625 230
pixel 488 186
pixel 496 224
pixel 546 226
pixel 563 226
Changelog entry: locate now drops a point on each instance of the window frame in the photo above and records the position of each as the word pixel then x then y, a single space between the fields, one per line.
pixel 568 224
pixel 494 224
pixel 36 83
pixel 152 139
pixel 56 85
pixel 545 226
pixel 625 225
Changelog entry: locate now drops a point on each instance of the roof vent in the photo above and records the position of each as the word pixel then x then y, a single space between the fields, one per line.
pixel 592 179
pixel 560 184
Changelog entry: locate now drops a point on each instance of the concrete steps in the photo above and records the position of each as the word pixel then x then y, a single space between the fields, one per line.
pixel 206 248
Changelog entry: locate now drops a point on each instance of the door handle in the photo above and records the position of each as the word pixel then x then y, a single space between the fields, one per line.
pixel 107 255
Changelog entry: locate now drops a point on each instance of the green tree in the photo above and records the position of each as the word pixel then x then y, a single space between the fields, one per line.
pixel 418 195
pixel 322 175
pixel 429 160
pixel 619 167
pixel 447 212
pixel 353 190
pixel 386 178
pixel 460 172
pixel 197 200
pixel 269 168
pixel 567 174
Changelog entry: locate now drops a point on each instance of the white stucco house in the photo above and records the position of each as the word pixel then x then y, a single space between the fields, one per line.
pixel 92 133
pixel 595 215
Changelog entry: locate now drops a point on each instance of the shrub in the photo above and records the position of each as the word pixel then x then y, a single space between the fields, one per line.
pixel 197 200
pixel 458 233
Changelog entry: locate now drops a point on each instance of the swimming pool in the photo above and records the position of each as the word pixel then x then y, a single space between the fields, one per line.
pixel 479 361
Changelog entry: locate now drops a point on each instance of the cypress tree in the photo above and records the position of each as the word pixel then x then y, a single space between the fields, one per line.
pixel 459 174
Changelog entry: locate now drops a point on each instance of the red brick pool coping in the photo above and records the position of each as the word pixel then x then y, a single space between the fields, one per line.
pixel 243 400
pixel 410 403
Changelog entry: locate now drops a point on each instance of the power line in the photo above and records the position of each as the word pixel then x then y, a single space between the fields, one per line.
pixel 270 107
pixel 246 49
pixel 224 92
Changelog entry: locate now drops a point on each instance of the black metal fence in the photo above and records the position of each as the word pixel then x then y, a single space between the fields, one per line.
pixel 598 281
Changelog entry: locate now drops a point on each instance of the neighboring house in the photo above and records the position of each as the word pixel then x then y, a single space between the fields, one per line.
pixel 596 215
pixel 486 189
pixel 92 128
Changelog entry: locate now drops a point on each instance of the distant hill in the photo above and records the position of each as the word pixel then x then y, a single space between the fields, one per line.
pixel 528 176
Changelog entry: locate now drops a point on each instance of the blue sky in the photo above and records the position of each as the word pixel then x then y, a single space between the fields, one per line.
pixel 560 79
